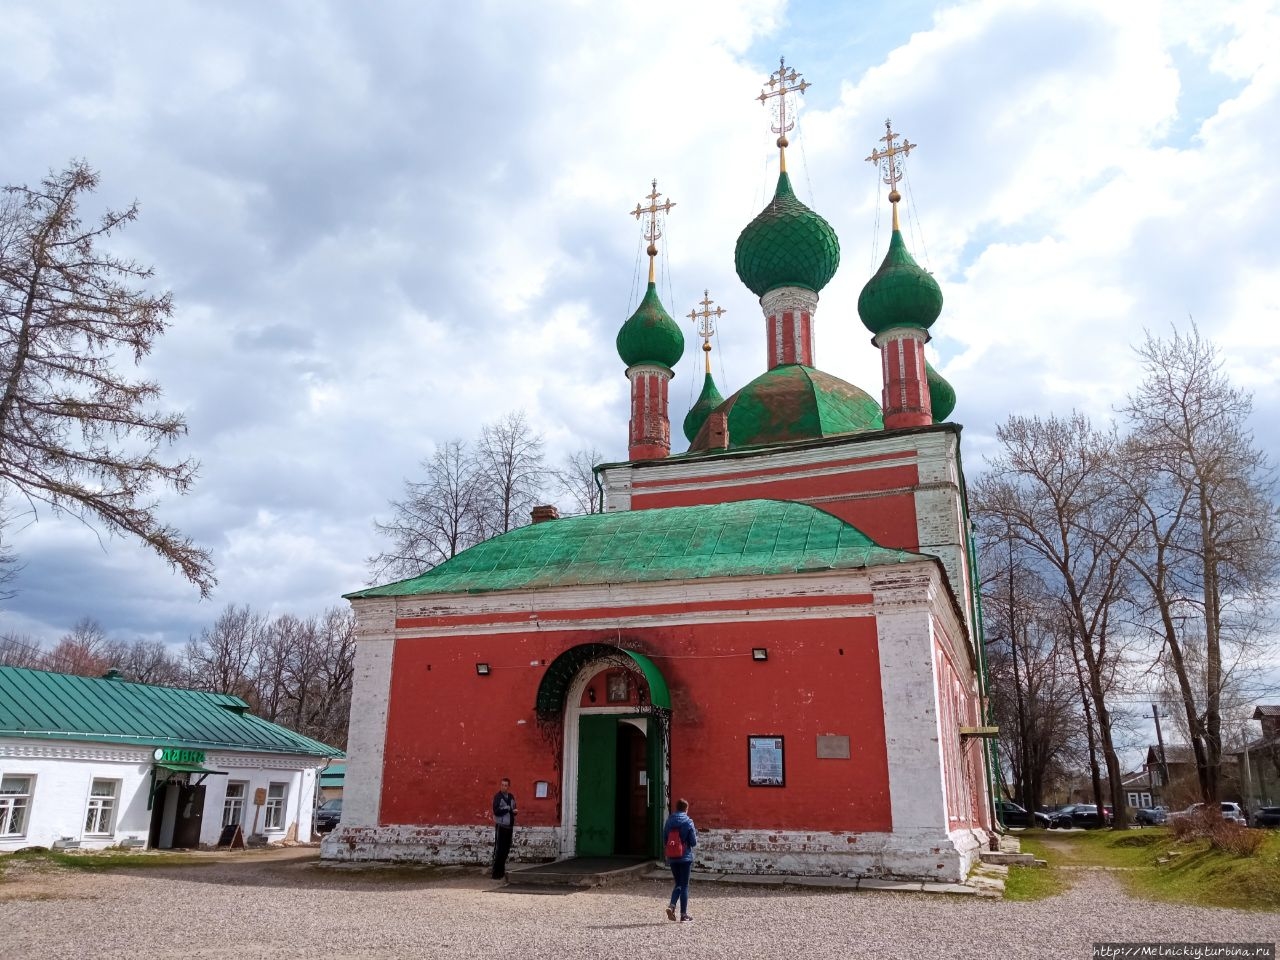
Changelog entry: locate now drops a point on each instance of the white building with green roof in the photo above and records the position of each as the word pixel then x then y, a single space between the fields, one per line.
pixel 98 762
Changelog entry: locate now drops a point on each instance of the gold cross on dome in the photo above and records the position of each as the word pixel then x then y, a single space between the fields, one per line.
pixel 705 320
pixel 781 83
pixel 652 229
pixel 889 160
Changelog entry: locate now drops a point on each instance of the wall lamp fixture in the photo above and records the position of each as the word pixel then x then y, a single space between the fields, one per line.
pixel 591 694
pixel 759 653
pixel 482 669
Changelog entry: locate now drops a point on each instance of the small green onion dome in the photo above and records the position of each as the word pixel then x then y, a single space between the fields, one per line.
pixel 650 335
pixel 787 245
pixel 901 294
pixel 942 396
pixel 707 401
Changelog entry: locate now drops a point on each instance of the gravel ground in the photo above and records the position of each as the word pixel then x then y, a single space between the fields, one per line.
pixel 289 906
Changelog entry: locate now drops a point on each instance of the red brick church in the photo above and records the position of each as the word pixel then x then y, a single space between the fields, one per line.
pixel 779 623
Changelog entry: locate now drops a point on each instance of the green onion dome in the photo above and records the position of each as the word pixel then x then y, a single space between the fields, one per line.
pixel 901 294
pixel 787 245
pixel 707 401
pixel 790 403
pixel 650 335
pixel 942 396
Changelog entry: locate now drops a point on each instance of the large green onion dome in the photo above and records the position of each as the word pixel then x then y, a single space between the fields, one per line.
pixel 707 401
pixel 787 245
pixel 793 402
pixel 650 335
pixel 901 294
pixel 942 396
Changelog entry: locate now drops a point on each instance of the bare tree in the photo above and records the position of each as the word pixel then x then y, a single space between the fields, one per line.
pixel 1202 501
pixel 439 515
pixel 20 650
pixel 576 478
pixel 511 472
pixel 144 661
pixel 222 657
pixel 83 650
pixel 1047 487
pixel 75 433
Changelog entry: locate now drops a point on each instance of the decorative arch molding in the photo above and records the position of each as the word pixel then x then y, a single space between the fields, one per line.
pixel 553 691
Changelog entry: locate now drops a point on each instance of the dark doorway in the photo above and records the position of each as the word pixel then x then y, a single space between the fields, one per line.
pixel 632 796
pixel 186 829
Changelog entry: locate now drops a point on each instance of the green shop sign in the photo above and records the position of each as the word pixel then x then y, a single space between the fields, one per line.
pixel 175 755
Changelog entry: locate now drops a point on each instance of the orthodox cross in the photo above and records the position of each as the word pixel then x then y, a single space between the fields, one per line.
pixel 652 226
pixel 783 82
pixel 889 160
pixel 705 320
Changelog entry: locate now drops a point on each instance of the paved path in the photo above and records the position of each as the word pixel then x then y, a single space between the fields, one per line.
pixel 296 908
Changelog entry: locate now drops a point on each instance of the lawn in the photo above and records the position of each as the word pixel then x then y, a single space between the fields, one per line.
pixel 1154 866
pixel 95 860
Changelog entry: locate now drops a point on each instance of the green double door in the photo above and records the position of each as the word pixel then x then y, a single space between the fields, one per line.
pixel 620 787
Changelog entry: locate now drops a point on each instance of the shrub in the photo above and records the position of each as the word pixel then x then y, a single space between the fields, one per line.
pixel 1233 838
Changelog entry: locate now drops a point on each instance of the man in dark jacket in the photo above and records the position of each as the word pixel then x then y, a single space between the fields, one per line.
pixel 504 822
pixel 679 826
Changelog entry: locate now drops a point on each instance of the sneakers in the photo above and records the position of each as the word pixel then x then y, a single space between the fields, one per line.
pixel 686 918
pixel 671 912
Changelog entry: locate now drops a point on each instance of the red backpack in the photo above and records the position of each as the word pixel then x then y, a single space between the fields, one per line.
pixel 674 849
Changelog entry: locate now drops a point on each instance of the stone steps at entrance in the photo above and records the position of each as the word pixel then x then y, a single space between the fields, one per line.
pixel 580 871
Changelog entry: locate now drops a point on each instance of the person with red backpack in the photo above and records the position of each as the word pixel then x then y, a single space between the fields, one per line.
pixel 680 836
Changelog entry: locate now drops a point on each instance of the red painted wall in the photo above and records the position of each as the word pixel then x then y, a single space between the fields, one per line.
pixel 889 518
pixel 453 734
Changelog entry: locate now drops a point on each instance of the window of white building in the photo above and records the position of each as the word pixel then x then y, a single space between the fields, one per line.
pixel 101 816
pixel 275 806
pixel 15 804
pixel 233 806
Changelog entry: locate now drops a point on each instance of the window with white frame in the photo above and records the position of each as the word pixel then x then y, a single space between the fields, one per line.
pixel 101 816
pixel 275 806
pixel 233 805
pixel 15 804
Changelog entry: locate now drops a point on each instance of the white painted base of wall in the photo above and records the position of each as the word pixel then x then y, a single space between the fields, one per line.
pixel 437 844
pixel 931 856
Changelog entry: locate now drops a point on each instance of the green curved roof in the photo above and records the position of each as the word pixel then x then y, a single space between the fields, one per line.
pixel 744 538
pixel 650 335
pixel 942 396
pixel 786 245
pixel 794 402
pixel 901 294
pixel 707 401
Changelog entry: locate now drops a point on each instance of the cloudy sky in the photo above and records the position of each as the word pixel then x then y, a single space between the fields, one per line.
pixel 388 224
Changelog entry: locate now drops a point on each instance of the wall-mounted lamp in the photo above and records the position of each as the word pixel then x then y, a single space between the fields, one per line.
pixel 759 653
pixel 482 669
pixel 591 694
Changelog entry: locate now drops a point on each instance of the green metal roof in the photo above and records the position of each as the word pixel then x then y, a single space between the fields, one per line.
pixel 794 402
pixel 650 335
pixel 58 706
pixel 786 245
pixel 741 539
pixel 901 294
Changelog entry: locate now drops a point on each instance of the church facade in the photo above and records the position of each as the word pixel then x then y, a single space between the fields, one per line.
pixel 779 624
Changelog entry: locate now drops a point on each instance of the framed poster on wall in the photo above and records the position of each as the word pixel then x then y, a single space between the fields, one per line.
pixel 765 766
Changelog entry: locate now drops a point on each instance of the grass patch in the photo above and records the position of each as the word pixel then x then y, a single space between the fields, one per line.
pixel 96 859
pixel 1192 871
pixel 1033 883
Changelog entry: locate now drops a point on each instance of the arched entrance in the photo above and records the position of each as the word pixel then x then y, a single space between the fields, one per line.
pixel 614 709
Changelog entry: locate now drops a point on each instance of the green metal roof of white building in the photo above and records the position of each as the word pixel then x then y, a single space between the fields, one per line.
pixel 40 705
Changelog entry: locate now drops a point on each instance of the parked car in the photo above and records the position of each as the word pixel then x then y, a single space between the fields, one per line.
pixel 1230 811
pixel 1084 816
pixel 328 815
pixel 1151 816
pixel 1015 815
pixel 1267 817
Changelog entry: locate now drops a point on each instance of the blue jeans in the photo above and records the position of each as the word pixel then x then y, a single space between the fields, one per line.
pixel 680 870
